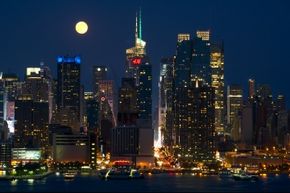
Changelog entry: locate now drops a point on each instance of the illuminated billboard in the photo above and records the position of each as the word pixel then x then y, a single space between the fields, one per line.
pixel 136 61
pixel 26 154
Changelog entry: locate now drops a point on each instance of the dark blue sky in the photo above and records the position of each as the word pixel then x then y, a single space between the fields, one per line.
pixel 256 34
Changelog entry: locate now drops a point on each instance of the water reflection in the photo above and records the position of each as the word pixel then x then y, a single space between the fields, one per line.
pixel 13 182
pixel 164 182
pixel 30 181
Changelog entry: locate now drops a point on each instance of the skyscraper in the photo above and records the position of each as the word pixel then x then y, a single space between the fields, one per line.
pixel 2 96
pixel 92 112
pixel 182 37
pixel 104 97
pixel 234 109
pixel 144 91
pixel 165 114
pixel 31 129
pixel 200 61
pixel 264 115
pixel 193 100
pixel 12 85
pixel 136 53
pixel 251 88
pixel 69 88
pixel 247 126
pixel 217 82
pixel 139 68
pixel 127 106
pixel 204 35
pixel 46 74
pixel 135 101
pixel 106 92
pixel 99 74
pixel 35 85
pixel 198 138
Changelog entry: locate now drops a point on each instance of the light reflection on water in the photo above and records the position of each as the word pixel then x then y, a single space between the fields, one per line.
pixel 14 182
pixel 159 182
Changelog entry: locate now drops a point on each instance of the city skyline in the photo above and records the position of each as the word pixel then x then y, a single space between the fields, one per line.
pixel 92 91
pixel 244 35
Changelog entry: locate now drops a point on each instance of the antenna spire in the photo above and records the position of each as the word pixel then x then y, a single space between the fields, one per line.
pixel 140 23
pixel 136 29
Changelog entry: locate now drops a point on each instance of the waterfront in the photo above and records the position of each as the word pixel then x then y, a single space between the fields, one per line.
pixel 153 183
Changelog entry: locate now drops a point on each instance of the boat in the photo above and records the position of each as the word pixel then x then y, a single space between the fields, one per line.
pixel 225 173
pixel 135 174
pixel 86 170
pixel 123 170
pixel 69 175
pixel 243 176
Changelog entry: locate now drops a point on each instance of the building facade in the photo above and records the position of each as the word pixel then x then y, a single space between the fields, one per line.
pixel 234 108
pixel 69 88
pixel 31 129
pixel 218 83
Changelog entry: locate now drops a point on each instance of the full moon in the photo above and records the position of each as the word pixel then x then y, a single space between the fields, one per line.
pixel 81 27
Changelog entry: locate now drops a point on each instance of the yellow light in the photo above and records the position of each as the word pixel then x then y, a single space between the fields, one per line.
pixel 81 27
pixel 263 175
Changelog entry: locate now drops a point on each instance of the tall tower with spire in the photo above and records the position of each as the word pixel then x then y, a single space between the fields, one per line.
pixel 137 93
pixel 134 55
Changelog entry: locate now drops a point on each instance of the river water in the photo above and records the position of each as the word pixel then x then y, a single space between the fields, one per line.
pixel 153 183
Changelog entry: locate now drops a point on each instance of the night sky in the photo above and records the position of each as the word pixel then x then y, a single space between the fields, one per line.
pixel 256 35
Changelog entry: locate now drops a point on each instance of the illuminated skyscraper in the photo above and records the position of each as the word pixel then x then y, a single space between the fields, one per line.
pixel 198 139
pixel 36 85
pixel 165 115
pixel 92 111
pixel 69 88
pixel 2 97
pixel 182 37
pixel 99 74
pixel 46 75
pixel 104 97
pixel 135 100
pixel 31 129
pixel 200 61
pixel 136 53
pixel 204 35
pixel 12 86
pixel 264 117
pixel 193 100
pixel 144 91
pixel 106 92
pixel 217 82
pixel 127 106
pixel 234 109
pixel 281 116
pixel 192 61
pixel 251 88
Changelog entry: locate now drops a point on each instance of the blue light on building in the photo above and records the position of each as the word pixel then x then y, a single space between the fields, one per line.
pixel 59 59
pixel 62 59
pixel 78 59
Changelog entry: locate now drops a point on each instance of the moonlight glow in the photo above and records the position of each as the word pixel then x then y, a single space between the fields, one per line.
pixel 81 27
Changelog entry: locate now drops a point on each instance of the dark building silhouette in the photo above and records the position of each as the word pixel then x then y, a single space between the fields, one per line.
pixel 31 129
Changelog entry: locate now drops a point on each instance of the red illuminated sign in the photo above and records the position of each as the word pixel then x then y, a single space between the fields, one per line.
pixel 136 61
pixel 103 99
